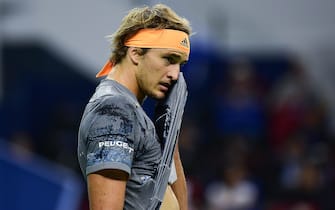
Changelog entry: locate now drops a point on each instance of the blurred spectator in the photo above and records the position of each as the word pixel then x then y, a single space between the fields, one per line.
pixel 294 107
pixel 298 138
pixel 304 182
pixel 308 192
pixel 291 159
pixel 232 189
pixel 195 190
pixel 237 107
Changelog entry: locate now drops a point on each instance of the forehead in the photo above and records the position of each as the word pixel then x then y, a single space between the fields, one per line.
pixel 173 52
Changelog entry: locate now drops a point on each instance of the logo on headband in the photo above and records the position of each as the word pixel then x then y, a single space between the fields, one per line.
pixel 184 43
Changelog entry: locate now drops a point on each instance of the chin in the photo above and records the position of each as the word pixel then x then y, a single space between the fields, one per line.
pixel 158 96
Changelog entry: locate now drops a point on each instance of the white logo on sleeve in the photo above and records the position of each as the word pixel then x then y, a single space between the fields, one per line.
pixel 121 144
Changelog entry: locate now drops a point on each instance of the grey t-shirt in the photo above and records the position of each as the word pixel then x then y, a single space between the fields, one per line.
pixel 116 133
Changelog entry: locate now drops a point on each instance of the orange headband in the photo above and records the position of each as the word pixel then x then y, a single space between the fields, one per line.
pixel 160 38
pixel 154 38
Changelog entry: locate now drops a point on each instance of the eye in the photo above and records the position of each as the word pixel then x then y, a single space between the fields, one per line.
pixel 170 60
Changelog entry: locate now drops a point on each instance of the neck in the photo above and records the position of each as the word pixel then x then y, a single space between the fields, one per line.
pixel 124 74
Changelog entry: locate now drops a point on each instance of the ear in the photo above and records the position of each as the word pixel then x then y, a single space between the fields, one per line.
pixel 134 54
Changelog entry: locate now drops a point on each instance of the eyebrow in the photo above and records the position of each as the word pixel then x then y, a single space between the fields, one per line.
pixel 177 57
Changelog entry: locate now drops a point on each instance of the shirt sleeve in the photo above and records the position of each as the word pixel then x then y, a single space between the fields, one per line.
pixel 110 142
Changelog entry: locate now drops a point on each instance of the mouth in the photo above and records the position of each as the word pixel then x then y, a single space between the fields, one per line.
pixel 164 86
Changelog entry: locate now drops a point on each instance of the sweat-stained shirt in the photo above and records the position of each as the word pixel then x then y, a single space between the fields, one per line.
pixel 116 133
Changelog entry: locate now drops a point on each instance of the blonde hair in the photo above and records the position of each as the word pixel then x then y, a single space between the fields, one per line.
pixel 158 16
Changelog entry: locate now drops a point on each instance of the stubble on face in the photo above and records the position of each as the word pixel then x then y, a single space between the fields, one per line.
pixel 154 71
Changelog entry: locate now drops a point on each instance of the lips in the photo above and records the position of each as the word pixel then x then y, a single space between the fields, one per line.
pixel 164 86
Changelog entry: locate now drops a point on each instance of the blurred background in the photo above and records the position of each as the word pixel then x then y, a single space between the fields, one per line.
pixel 259 125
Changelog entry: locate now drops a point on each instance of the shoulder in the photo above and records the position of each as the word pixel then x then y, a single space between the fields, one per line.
pixel 115 104
pixel 113 114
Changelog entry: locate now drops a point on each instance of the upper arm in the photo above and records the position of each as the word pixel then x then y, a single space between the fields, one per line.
pixel 110 140
pixel 106 189
pixel 110 151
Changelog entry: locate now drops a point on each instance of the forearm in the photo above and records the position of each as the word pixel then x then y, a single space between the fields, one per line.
pixel 179 187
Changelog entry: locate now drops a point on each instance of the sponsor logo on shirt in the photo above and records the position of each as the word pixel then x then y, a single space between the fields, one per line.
pixel 121 144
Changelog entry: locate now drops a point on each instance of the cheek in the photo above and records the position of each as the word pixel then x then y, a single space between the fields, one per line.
pixel 146 77
pixel 155 71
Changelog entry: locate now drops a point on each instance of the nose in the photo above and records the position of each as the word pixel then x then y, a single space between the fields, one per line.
pixel 173 74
